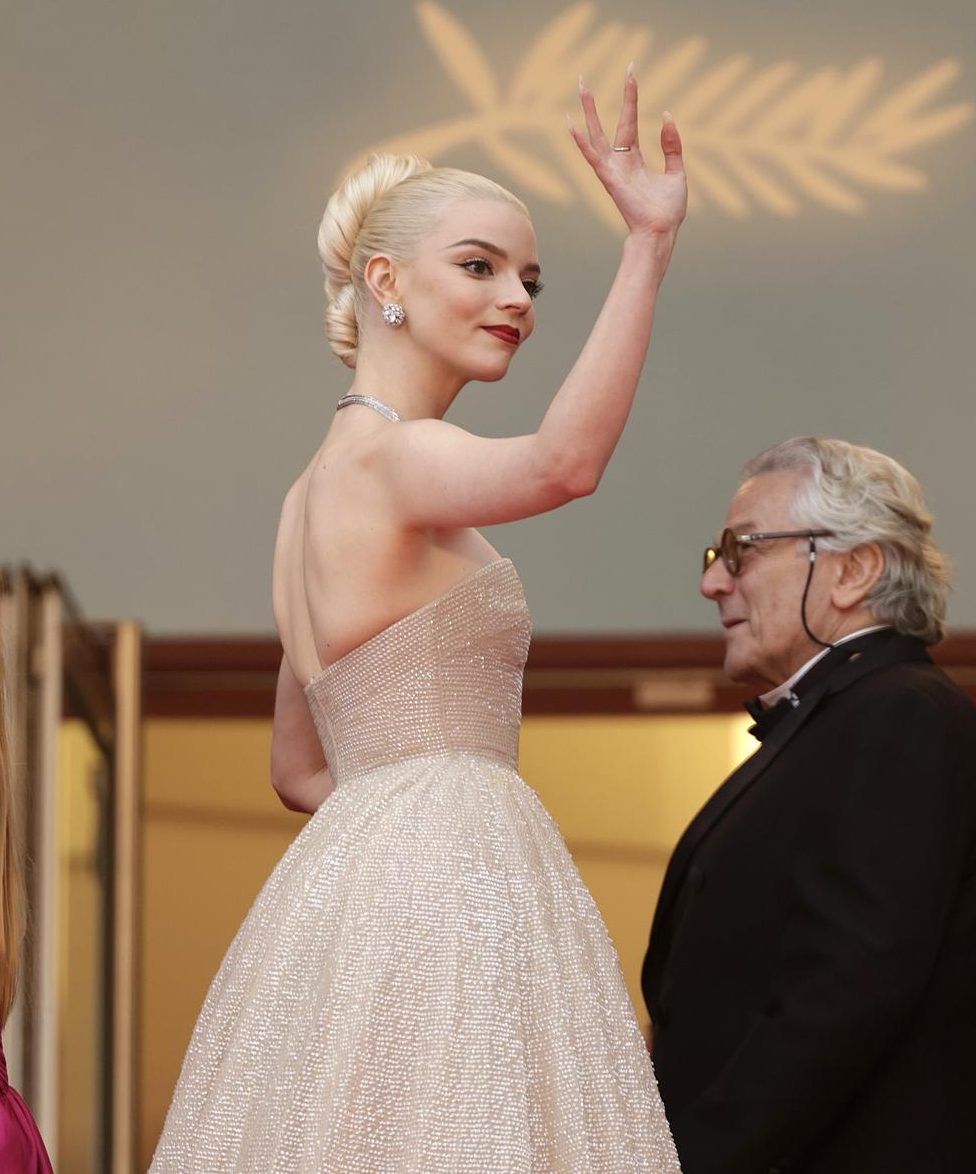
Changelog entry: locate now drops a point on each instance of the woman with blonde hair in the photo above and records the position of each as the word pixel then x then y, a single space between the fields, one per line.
pixel 21 1148
pixel 424 983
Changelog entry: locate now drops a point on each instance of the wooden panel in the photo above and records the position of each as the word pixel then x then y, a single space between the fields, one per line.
pixel 225 677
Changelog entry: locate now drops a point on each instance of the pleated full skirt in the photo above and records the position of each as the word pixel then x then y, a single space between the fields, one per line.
pixel 423 984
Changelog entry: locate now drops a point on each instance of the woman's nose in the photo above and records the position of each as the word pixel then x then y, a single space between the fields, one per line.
pixel 515 295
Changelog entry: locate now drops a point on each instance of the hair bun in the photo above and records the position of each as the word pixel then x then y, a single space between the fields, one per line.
pixel 341 224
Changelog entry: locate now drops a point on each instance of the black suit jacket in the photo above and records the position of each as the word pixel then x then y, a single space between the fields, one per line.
pixel 811 974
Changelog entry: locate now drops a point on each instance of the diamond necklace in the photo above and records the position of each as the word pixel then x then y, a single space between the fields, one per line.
pixel 368 401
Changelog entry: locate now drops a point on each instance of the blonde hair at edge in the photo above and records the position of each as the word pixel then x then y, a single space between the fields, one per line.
pixel 11 902
pixel 384 207
pixel 862 495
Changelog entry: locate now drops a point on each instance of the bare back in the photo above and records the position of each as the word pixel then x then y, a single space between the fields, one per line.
pixel 345 567
pixel 381 522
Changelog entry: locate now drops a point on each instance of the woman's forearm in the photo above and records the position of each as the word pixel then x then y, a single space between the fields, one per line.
pixel 587 416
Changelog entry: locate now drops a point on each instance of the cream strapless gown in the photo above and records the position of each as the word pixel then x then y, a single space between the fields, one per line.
pixel 424 983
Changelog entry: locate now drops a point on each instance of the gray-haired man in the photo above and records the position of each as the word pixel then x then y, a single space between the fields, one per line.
pixel 812 967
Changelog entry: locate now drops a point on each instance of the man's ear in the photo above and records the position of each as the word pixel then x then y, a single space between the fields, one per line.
pixel 859 571
pixel 380 276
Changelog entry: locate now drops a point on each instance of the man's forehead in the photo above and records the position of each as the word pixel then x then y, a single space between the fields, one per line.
pixel 764 501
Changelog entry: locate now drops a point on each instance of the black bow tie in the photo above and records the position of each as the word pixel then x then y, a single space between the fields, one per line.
pixel 765 719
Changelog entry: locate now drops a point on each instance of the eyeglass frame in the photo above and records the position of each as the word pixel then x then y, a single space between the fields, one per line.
pixel 729 537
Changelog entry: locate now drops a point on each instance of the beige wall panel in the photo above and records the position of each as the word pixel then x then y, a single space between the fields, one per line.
pixel 628 780
pixel 622 790
pixel 213 832
pixel 81 972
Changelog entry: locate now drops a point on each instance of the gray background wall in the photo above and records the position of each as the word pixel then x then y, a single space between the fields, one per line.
pixel 164 376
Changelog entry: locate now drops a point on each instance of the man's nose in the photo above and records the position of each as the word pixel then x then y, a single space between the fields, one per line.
pixel 716 581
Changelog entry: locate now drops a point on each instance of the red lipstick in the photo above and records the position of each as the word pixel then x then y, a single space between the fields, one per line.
pixel 506 333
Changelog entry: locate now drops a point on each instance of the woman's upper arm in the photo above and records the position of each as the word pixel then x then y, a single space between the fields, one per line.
pixel 443 477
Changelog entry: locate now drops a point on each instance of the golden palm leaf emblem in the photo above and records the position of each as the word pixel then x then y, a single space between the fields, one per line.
pixel 755 137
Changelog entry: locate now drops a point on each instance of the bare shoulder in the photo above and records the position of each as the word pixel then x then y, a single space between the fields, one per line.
pixel 293 498
pixel 378 457
pixel 431 430
pixel 422 439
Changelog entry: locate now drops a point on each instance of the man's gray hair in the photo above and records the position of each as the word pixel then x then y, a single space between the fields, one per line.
pixel 861 495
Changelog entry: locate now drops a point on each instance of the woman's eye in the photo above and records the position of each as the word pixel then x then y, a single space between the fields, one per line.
pixel 533 288
pixel 479 266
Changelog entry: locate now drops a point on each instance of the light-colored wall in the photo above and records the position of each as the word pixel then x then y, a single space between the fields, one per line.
pixel 82 777
pixel 164 374
pixel 621 790
pixel 212 831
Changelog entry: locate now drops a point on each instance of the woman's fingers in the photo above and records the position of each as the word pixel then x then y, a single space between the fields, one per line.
pixel 580 139
pixel 648 201
pixel 627 133
pixel 594 128
pixel 671 146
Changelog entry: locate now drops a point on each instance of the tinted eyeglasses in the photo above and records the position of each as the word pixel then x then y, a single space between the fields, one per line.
pixel 731 545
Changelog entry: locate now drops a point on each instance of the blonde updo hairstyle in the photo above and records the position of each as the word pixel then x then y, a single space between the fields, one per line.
pixel 384 207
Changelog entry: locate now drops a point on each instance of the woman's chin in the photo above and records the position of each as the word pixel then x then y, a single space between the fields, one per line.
pixel 491 372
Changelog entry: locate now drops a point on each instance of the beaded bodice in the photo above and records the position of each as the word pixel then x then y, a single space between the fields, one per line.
pixel 447 677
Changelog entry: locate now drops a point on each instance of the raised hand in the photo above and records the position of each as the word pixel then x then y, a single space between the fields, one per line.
pixel 651 203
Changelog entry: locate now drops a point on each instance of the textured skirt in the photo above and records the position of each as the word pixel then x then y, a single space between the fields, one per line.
pixel 423 984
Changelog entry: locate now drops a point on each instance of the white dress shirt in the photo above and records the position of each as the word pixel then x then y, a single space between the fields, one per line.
pixel 767 700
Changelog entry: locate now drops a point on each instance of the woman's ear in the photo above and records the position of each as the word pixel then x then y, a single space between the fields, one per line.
pixel 380 276
pixel 860 570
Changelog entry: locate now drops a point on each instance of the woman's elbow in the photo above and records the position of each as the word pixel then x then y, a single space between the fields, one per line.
pixel 282 787
pixel 575 479
pixel 302 792
pixel 584 481
pixel 564 478
pixel 286 794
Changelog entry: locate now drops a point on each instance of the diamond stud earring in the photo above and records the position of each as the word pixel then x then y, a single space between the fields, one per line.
pixel 394 314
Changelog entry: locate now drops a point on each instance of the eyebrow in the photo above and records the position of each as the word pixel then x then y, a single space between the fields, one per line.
pixel 498 251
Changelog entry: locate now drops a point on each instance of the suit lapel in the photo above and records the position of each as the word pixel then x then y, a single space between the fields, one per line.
pixel 850 662
pixel 726 796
